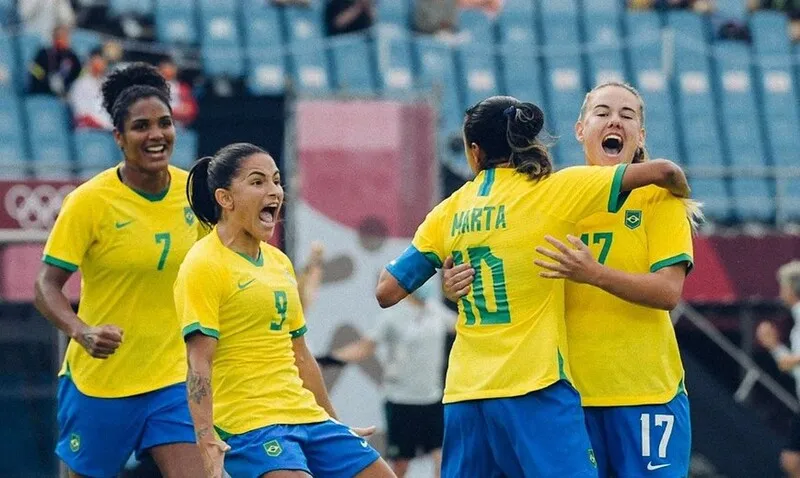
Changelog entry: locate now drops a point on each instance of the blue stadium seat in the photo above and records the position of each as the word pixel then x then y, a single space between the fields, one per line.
pixel 697 107
pixel 95 151
pixel 227 7
pixel 522 78
pixel 559 21
pixel 223 61
pixel 13 157
pixel 84 41
pixel 516 23
pixel 593 7
pixel 788 197
pixel 478 78
pixel 769 30
pixel 476 26
pixel 753 199
pixel 688 26
pixel 395 12
pixel 738 102
pixel 642 26
pixel 221 50
pixel 303 24
pixel 393 58
pixel 566 91
pixel 436 71
pixel 219 29
pixel 713 193
pixel 175 22
pixel 352 63
pixel 48 136
pixel 184 152
pixel 262 26
pixel 266 73
pixel 604 44
pixel 779 102
pixel 7 12
pixel 309 67
pixel 8 65
pixel 730 9
pixel 135 7
pixel 29 45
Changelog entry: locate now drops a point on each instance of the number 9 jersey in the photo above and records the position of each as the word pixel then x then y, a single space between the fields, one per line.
pixel 510 336
pixel 128 246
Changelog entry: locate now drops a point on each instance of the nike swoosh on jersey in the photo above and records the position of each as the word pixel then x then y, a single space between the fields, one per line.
pixel 652 467
pixel 364 444
pixel 243 285
pixel 121 224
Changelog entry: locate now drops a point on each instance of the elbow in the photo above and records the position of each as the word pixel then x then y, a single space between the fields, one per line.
pixel 384 295
pixel 668 172
pixel 670 300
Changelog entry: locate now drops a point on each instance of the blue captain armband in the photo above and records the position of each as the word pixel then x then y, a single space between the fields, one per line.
pixel 413 268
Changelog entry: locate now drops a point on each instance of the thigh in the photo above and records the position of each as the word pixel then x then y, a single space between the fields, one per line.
pixel 650 440
pixel 431 424
pixel 466 449
pixel 96 435
pixel 178 460
pixel 400 431
pixel 595 426
pixel 334 450
pixel 266 450
pixel 541 434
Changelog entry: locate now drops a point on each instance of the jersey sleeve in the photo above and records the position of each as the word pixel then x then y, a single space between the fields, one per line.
pixel 297 318
pixel 581 191
pixel 72 234
pixel 669 233
pixel 419 261
pixel 198 296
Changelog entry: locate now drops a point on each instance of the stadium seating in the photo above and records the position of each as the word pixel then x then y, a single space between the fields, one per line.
pixel 516 25
pixel 309 67
pixel 393 58
pixel 133 7
pixel 478 77
pixel 175 22
pixel 95 151
pixel 48 136
pixel 352 64
pixel 476 27
pixel 184 151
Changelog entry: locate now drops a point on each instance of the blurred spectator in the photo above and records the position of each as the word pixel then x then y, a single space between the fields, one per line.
pixel 55 67
pixel 788 360
pixel 699 6
pixel 42 16
pixel 734 30
pixel 184 106
pixel 413 335
pixel 85 97
pixel 348 16
pixel 435 16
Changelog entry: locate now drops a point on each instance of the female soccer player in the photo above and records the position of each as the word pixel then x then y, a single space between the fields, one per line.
pixel 622 346
pixel 252 380
pixel 127 230
pixel 509 406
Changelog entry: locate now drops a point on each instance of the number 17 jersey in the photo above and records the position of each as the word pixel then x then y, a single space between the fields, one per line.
pixel 510 336
pixel 128 246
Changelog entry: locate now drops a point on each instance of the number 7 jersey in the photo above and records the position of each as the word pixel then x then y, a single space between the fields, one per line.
pixel 128 246
pixel 510 337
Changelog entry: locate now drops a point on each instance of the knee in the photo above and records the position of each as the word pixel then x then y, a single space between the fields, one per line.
pixel 790 462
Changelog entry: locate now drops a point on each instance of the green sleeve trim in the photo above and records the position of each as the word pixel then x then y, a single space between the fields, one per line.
pixel 617 197
pixel 223 435
pixel 299 332
pixel 67 266
pixel 671 261
pixel 196 327
pixel 433 259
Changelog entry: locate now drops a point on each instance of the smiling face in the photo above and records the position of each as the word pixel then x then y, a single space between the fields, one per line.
pixel 148 135
pixel 611 126
pixel 254 198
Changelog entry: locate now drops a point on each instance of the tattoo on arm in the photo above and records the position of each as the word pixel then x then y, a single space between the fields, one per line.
pixel 199 387
pixel 202 433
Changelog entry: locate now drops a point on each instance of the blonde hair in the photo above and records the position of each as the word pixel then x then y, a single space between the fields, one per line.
pixel 789 274
pixel 640 155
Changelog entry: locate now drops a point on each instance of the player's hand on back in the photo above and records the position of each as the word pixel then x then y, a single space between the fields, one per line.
pixel 767 335
pixel 574 263
pixel 457 279
pixel 100 342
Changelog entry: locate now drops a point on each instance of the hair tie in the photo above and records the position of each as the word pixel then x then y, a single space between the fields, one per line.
pixel 510 111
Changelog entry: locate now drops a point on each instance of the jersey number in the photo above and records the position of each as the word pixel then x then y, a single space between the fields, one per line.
pixel 666 421
pixel 281 306
pixel 500 315
pixel 163 237
pixel 605 237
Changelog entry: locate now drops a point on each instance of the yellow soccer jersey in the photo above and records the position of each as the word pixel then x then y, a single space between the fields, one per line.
pixel 128 246
pixel 622 353
pixel 253 309
pixel 510 337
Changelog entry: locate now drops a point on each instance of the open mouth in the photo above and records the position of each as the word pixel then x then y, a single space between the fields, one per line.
pixel 612 144
pixel 269 214
pixel 156 149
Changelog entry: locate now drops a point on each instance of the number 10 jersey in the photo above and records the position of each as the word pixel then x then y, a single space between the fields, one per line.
pixel 510 336
pixel 128 246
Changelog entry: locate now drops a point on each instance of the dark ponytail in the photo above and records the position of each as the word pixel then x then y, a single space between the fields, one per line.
pixel 507 130
pixel 529 156
pixel 200 196
pixel 214 172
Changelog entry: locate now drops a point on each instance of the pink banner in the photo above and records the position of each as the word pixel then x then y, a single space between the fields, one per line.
pixel 32 204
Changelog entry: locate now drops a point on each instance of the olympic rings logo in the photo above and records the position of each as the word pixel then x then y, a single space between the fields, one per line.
pixel 35 207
